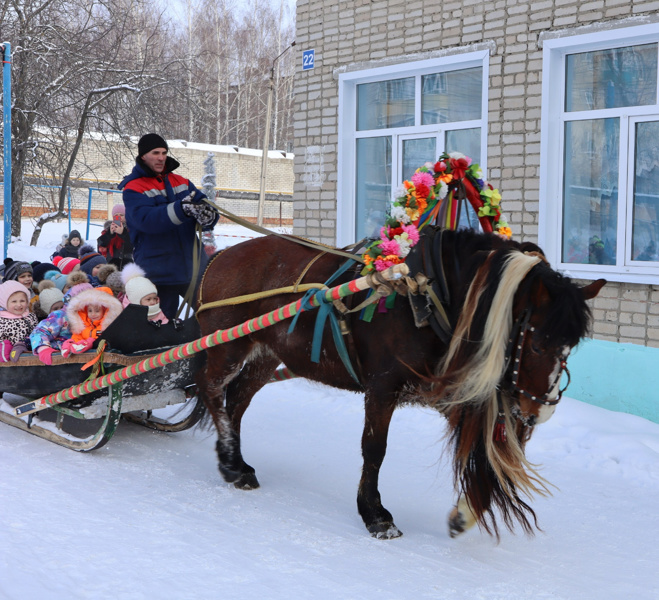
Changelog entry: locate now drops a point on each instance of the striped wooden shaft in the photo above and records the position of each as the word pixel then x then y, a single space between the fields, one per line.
pixel 221 336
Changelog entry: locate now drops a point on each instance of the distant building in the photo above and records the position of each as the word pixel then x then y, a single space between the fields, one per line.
pixel 103 163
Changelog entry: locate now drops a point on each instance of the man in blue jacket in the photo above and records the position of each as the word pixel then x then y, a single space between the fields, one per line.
pixel 162 209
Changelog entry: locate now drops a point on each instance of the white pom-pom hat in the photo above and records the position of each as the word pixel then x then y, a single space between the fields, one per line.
pixel 137 286
pixel 48 297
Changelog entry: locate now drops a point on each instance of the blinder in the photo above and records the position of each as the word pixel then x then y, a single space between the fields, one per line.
pixel 516 347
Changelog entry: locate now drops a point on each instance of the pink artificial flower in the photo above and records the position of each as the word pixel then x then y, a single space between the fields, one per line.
pixel 390 247
pixel 382 265
pixel 423 178
pixel 384 233
pixel 412 233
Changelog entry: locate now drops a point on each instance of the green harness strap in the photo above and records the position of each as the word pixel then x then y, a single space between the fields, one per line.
pixel 325 310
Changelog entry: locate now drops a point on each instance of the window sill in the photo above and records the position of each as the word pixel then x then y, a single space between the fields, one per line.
pixel 613 274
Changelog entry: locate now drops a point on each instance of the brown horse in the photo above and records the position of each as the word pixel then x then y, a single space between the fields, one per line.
pixel 511 319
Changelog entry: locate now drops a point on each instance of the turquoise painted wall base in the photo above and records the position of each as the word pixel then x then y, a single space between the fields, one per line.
pixel 621 377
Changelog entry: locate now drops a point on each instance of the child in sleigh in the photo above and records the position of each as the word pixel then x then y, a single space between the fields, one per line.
pixel 89 314
pixel 16 320
pixel 75 327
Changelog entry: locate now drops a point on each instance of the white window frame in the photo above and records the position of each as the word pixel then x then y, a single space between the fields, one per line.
pixel 348 134
pixel 552 134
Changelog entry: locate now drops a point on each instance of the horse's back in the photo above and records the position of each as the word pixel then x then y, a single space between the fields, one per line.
pixel 255 265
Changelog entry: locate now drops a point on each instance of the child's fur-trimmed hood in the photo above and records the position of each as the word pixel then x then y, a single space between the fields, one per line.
pixel 96 296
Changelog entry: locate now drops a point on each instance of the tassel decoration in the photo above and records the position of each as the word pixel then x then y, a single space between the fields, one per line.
pixel 500 428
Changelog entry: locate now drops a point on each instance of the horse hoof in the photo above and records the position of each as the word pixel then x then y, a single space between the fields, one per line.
pixel 460 519
pixel 384 531
pixel 247 481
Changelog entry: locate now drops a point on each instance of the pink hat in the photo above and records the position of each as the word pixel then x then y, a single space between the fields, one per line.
pixel 66 265
pixel 80 287
pixel 10 287
pixel 118 209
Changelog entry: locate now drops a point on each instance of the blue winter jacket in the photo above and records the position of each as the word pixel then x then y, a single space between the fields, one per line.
pixel 163 236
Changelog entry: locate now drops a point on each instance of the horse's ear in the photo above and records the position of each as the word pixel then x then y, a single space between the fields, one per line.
pixel 592 289
pixel 531 248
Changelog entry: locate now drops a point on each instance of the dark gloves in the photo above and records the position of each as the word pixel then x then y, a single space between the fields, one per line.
pixel 204 214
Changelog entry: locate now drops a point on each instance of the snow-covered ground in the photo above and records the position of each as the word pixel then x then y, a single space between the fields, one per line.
pixel 148 515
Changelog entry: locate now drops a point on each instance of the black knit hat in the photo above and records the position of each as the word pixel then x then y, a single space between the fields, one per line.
pixel 16 269
pixel 149 142
pixel 41 269
pixel 89 258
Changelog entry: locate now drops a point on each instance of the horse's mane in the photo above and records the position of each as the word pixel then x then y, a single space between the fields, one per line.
pixel 491 474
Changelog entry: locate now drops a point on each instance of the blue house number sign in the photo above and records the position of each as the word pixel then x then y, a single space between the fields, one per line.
pixel 308 59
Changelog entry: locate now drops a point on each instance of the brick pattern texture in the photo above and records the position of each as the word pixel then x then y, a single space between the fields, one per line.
pixel 365 31
pixel 234 170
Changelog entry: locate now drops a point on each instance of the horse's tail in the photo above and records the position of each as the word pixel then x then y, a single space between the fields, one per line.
pixel 489 472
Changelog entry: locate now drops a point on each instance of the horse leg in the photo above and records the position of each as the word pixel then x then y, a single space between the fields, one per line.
pixel 461 518
pixel 222 365
pixel 239 393
pixel 378 520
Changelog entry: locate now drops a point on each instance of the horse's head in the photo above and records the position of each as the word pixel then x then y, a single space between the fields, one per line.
pixel 501 375
pixel 550 316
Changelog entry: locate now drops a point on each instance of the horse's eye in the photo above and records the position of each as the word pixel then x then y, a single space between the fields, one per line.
pixel 536 345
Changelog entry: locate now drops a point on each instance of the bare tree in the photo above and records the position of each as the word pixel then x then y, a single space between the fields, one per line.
pixel 66 52
pixel 63 50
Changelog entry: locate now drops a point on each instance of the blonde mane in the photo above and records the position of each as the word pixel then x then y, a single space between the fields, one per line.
pixel 479 377
pixel 466 391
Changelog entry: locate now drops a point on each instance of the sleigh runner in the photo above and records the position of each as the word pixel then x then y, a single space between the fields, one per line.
pixel 134 384
pixel 89 420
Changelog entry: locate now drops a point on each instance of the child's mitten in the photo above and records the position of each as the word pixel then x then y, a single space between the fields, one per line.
pixel 45 354
pixel 5 350
pixel 17 350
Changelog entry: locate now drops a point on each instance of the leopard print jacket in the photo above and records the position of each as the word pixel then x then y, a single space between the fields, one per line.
pixel 17 330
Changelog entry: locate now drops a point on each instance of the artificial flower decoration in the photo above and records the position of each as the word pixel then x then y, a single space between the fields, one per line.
pixel 431 196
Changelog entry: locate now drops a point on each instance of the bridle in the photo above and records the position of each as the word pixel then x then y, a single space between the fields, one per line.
pixel 516 346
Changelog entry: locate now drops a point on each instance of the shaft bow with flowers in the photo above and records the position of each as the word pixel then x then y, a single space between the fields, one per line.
pixel 433 196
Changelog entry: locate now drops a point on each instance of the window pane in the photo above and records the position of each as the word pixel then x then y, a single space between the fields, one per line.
pixel 373 189
pixel 466 141
pixel 645 227
pixel 612 78
pixel 416 153
pixel 385 104
pixel 590 193
pixel 452 96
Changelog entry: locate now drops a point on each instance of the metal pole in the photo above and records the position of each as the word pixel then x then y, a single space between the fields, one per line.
pixel 6 119
pixel 89 211
pixel 69 197
pixel 266 139
pixel 264 160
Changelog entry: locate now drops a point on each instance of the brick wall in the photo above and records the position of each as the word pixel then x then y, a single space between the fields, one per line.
pixel 235 168
pixel 372 32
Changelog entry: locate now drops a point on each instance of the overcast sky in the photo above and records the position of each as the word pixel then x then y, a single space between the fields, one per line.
pixel 240 6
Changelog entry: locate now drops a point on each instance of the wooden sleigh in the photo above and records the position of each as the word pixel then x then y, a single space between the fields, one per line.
pixel 138 379
pixel 163 399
